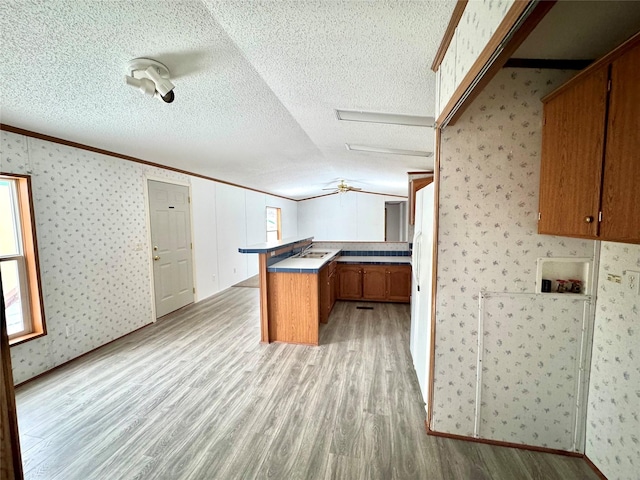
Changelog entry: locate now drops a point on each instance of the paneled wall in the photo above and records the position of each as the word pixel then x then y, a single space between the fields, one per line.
pixel 487 240
pixel 350 216
pixel 613 415
pixel 91 222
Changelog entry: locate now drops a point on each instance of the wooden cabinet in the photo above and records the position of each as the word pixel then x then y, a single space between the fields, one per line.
pixel 349 282
pixel 621 182
pixel 590 170
pixel 399 283
pixel 374 283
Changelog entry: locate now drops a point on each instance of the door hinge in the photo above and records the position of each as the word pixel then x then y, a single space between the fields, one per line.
pixel 188 199
pixel 609 85
pixel 539 216
pixel 194 289
pixel 191 245
pixel 599 216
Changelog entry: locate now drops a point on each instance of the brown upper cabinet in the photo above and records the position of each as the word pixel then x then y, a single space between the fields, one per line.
pixel 590 171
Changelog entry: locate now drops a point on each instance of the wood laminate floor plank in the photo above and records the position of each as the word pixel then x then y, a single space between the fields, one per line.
pixel 196 396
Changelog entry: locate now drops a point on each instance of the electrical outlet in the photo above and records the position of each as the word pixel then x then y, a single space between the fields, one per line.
pixel 614 278
pixel 71 330
pixel 633 282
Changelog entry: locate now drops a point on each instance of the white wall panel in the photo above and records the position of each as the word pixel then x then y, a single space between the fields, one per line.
pixel 205 237
pixel 231 228
pixel 348 217
pixel 256 221
pixel 370 215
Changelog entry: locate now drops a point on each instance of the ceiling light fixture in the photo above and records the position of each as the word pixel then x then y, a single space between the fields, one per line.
pixel 151 78
pixel 390 118
pixel 392 151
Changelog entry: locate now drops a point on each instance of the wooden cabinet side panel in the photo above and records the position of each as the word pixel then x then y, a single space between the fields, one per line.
pixel 323 285
pixel 333 289
pixel 415 185
pixel 399 283
pixel 572 155
pixel 293 307
pixel 374 283
pixel 621 182
pixel 349 282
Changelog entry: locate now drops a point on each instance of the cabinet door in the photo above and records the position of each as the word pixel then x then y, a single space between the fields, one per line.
pixel 350 282
pixel 399 283
pixel 572 155
pixel 374 286
pixel 621 183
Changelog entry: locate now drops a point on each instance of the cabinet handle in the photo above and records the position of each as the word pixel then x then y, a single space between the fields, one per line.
pixel 588 219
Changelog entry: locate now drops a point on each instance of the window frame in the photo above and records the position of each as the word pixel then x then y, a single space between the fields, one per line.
pixel 28 264
pixel 278 228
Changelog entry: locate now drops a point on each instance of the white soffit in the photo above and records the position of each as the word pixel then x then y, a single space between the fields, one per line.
pixel 581 30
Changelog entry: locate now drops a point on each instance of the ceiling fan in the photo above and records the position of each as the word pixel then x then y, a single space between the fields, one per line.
pixel 342 187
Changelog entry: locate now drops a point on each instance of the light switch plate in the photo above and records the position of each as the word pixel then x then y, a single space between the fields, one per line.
pixel 632 282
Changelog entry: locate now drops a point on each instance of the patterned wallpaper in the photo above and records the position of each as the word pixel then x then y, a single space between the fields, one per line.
pixel 478 23
pixel 91 226
pixel 613 415
pixel 532 399
pixel 487 227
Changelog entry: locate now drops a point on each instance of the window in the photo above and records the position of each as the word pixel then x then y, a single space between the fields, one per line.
pixel 274 225
pixel 18 261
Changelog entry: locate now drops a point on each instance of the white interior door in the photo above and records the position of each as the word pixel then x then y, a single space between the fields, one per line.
pixel 172 249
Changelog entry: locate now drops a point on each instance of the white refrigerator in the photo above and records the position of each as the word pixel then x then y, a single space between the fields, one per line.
pixel 422 266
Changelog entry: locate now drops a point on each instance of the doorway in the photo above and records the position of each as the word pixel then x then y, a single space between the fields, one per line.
pixel 394 224
pixel 172 249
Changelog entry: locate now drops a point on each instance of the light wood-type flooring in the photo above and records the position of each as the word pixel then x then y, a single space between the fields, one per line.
pixel 196 396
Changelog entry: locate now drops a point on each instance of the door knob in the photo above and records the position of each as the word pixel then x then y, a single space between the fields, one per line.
pixel 588 219
pixel 155 247
pixel 156 258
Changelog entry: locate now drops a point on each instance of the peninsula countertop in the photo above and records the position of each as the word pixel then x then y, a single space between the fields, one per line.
pixel 314 265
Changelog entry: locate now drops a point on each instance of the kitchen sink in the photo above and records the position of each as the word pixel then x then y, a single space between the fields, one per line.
pixel 313 255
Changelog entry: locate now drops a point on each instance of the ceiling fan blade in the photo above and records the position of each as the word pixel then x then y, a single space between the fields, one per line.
pixel 332 188
pixel 354 188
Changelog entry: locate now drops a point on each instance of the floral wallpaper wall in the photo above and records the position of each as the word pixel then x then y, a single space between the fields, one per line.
pixel 92 233
pixel 478 23
pixel 489 177
pixel 613 415
pixel 531 351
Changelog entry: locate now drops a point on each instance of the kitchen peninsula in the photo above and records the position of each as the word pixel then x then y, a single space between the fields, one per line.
pixel 300 284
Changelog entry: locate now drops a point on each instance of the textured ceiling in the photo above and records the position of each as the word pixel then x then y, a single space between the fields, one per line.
pixel 256 84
